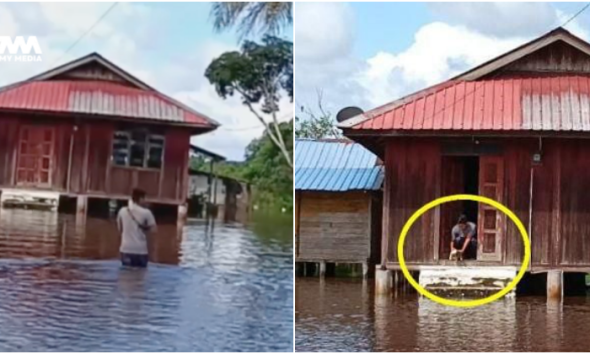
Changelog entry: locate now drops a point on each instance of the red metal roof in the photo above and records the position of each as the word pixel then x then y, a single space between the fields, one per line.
pixel 547 103
pixel 100 98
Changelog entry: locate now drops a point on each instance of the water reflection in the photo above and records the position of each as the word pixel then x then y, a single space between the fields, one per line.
pixel 62 288
pixel 337 315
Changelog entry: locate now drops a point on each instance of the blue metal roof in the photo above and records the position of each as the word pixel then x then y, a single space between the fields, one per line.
pixel 335 165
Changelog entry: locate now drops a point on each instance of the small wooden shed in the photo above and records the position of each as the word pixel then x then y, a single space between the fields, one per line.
pixel 515 129
pixel 88 129
pixel 338 202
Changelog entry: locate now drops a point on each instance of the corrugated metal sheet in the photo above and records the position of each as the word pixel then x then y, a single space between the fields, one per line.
pixel 548 103
pixel 335 165
pixel 97 97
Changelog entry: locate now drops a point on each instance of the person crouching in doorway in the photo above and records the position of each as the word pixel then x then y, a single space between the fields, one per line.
pixel 135 223
pixel 464 239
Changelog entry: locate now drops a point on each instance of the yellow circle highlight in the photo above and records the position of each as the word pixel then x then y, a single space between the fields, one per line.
pixel 467 303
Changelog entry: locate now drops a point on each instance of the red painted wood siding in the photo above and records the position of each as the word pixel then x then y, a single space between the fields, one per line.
pixel 91 170
pixel 560 206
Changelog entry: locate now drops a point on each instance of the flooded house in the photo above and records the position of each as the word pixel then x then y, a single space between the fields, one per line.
pixel 214 196
pixel 337 204
pixel 90 131
pixel 515 129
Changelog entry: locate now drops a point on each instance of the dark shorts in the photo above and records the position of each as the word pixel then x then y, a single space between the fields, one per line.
pixel 134 260
pixel 470 251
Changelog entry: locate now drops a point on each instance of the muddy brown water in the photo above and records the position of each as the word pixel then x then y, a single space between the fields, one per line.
pixel 62 287
pixel 344 315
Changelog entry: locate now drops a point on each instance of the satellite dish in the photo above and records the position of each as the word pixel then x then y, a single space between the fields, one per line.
pixel 347 113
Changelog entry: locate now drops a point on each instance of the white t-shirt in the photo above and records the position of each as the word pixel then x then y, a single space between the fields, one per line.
pixel 133 238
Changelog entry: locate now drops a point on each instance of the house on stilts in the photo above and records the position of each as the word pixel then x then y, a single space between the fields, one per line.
pixel 89 130
pixel 337 205
pixel 515 129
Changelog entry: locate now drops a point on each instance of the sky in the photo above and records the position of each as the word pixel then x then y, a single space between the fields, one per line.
pixel 166 45
pixel 369 54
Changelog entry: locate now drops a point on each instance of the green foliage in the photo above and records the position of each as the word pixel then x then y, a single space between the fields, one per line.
pixel 269 17
pixel 268 170
pixel 258 72
pixel 318 124
pixel 264 168
pixel 316 128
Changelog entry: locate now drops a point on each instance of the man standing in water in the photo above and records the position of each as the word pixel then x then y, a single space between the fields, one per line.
pixel 464 238
pixel 135 222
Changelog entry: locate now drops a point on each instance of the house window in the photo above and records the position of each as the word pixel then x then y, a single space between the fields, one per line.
pixel 137 148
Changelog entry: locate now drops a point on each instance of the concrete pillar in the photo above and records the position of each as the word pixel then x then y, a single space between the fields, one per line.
pixel 554 285
pixel 322 269
pixel 383 282
pixel 365 270
pixel 182 213
pixel 82 205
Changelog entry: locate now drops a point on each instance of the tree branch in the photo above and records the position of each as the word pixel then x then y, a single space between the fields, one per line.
pixel 279 143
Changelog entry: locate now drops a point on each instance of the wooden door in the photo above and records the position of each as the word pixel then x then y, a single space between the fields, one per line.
pixel 452 182
pixel 490 226
pixel 35 156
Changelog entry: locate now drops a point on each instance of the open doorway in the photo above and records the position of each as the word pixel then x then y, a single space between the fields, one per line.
pixel 460 175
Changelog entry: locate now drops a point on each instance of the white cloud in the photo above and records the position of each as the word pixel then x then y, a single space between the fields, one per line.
pixel 440 50
pixel 8 25
pixel 500 19
pixel 239 126
pixel 327 29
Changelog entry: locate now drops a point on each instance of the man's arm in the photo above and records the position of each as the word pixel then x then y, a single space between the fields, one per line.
pixel 119 226
pixel 466 243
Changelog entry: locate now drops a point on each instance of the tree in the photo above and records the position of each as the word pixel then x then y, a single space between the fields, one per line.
pixel 316 126
pixel 269 17
pixel 259 74
pixel 268 170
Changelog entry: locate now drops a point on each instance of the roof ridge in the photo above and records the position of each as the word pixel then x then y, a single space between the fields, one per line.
pixel 95 57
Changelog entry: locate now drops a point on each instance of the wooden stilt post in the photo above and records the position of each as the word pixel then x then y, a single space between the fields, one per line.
pixel 365 270
pixel 322 269
pixel 554 285
pixel 82 205
pixel 182 212
pixel 383 282
pixel 81 212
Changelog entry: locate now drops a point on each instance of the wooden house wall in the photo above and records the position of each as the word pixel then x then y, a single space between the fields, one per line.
pixel 556 58
pixel 574 213
pixel 334 226
pixel 412 170
pixel 91 171
pixel 560 225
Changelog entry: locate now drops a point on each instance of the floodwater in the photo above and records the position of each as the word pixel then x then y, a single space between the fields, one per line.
pixel 62 287
pixel 344 315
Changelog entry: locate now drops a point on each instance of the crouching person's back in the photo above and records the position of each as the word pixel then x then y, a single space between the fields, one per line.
pixel 135 223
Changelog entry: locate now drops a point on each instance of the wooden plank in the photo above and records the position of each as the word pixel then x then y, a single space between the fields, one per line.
pixel 555 239
pixel 109 163
pixel 334 225
pixel 519 53
pixel 491 174
pixel 84 183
